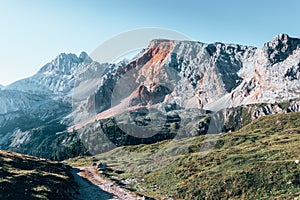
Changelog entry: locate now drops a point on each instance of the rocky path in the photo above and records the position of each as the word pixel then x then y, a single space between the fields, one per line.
pixel 92 186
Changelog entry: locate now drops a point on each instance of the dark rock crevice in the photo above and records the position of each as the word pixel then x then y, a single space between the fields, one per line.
pixel 280 48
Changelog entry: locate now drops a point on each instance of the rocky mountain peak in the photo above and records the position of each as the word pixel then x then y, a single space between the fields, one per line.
pixel 283 37
pixel 62 64
pixel 280 48
pixel 157 42
pixel 177 77
pixel 66 56
pixel 56 77
pixel 84 57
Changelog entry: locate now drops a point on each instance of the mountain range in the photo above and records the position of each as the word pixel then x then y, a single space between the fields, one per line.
pixel 75 106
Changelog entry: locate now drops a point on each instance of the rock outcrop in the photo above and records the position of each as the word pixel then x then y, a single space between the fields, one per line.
pixel 176 87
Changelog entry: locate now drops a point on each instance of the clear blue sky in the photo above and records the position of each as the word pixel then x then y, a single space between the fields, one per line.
pixel 33 32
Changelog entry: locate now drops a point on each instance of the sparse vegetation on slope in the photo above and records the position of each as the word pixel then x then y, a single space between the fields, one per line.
pixel 24 177
pixel 52 141
pixel 257 162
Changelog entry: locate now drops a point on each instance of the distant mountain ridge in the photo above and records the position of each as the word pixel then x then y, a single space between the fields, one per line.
pixel 173 77
pixel 56 77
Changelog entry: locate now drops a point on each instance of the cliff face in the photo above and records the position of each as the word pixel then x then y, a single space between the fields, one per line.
pixel 209 76
pixel 171 88
pixel 235 118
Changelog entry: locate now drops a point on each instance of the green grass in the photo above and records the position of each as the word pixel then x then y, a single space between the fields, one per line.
pixel 25 177
pixel 257 162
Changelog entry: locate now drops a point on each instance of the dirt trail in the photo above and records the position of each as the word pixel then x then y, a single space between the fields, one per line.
pixel 92 186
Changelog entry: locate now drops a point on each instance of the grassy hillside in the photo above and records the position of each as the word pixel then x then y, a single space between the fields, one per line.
pixel 24 177
pixel 257 162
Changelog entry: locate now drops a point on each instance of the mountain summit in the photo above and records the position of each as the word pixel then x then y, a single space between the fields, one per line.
pixel 210 76
pixel 175 78
pixel 56 77
pixel 280 48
